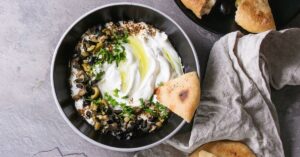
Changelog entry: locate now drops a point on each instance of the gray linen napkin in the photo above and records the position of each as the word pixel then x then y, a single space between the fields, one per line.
pixel 236 100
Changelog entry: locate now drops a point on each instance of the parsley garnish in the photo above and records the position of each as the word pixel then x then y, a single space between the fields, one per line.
pixel 116 92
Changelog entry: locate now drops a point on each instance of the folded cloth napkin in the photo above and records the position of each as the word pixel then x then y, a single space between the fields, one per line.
pixel 236 96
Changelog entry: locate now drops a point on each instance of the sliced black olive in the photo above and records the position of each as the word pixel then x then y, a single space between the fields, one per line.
pixel 88 114
pixel 146 128
pixel 79 85
pixel 76 65
pixel 86 103
pixel 116 118
pixel 117 111
pixel 140 121
pixel 89 90
pixel 110 118
pixel 109 111
pixel 91 60
pixel 152 119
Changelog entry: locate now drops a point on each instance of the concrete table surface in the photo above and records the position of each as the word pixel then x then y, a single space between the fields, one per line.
pixel 29 120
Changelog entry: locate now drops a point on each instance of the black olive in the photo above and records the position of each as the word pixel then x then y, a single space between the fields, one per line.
pixel 117 111
pixel 88 114
pixel 152 119
pixel 86 103
pixel 93 82
pixel 76 66
pixel 89 90
pixel 79 80
pixel 139 121
pixel 109 121
pixel 79 85
pixel 146 129
pixel 111 118
pixel 109 111
pixel 116 118
pixel 91 60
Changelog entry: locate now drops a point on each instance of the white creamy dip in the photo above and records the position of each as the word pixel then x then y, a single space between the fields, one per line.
pixel 150 61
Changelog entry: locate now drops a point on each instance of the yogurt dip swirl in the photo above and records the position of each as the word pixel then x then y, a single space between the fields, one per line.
pixel 114 75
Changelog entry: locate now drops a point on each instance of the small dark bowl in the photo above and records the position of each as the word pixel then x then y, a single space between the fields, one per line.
pixel 60 71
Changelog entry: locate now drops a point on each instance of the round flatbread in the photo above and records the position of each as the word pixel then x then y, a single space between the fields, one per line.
pixel 254 15
pixel 225 149
pixel 181 95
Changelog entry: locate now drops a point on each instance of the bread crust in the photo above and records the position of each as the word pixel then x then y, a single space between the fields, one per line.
pixel 254 16
pixel 225 149
pixel 181 95
pixel 195 5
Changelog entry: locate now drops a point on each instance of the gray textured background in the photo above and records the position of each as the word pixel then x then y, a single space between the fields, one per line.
pixel 29 121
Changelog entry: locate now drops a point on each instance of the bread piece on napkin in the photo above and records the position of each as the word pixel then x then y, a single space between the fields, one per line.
pixel 254 15
pixel 181 95
pixel 225 149
pixel 199 7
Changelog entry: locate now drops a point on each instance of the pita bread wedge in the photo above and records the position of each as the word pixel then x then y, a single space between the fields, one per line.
pixel 254 15
pixel 181 95
pixel 199 7
pixel 225 149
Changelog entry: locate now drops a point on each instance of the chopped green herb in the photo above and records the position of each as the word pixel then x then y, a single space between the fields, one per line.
pixel 116 92
pixel 151 112
pixel 164 112
pixel 110 100
pixel 142 103
pixel 98 76
pixel 151 99
pixel 126 110
pixel 160 84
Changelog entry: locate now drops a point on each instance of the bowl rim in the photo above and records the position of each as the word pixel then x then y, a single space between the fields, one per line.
pixel 55 96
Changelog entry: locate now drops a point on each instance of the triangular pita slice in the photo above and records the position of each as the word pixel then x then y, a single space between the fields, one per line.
pixel 254 15
pixel 181 95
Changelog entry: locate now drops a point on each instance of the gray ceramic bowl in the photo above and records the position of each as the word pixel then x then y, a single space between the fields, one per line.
pixel 60 71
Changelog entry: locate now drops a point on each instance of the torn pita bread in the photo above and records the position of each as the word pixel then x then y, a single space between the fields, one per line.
pixel 199 7
pixel 181 95
pixel 254 15
pixel 225 149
